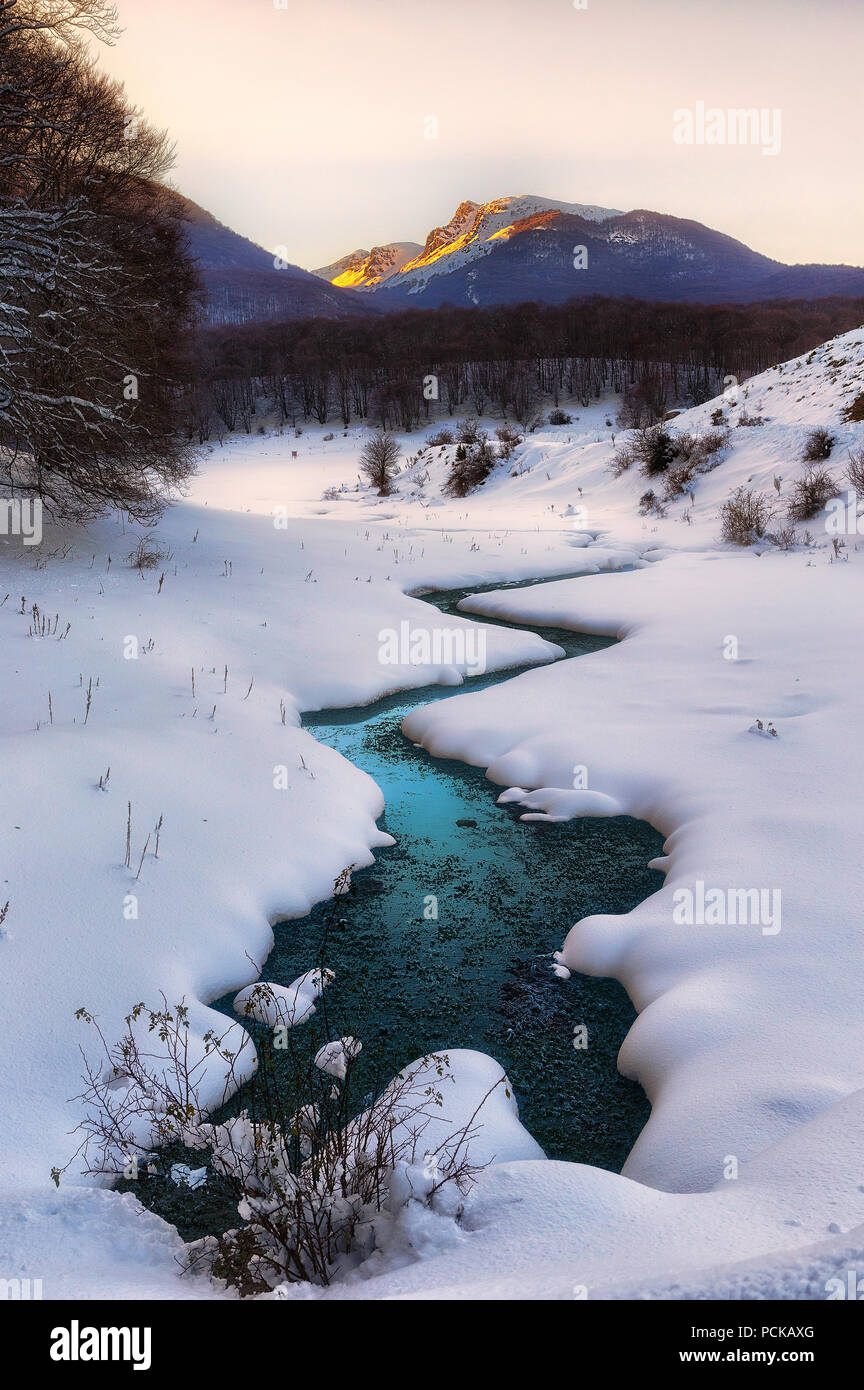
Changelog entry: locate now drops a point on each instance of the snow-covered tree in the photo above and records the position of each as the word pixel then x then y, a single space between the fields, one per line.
pixel 96 289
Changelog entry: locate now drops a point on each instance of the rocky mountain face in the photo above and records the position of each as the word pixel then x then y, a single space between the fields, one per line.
pixel 366 270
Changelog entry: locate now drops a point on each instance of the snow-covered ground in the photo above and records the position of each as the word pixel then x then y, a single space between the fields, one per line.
pixel 747 1180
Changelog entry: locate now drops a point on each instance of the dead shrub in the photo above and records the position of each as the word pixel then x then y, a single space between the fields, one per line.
pixel 818 445
pixel 811 493
pixel 147 555
pixel 745 516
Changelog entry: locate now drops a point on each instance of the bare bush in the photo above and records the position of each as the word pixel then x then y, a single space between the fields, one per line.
pixel 315 1181
pixel 146 554
pixel 652 447
pixel 678 480
pixel 623 459
pixel 745 516
pixel 442 437
pixel 468 430
pixel 707 446
pixel 508 439
pixel 656 450
pixel 811 493
pixel 818 445
pixel 650 504
pixel 319 1165
pixel 784 536
pixel 470 468
pixel 695 454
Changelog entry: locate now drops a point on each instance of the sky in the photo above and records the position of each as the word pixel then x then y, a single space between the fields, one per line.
pixel 327 125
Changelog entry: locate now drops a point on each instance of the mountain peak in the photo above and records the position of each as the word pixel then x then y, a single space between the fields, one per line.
pixel 365 270
pixel 473 231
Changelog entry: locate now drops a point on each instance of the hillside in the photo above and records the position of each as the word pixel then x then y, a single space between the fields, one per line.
pixel 768 419
pixel 242 283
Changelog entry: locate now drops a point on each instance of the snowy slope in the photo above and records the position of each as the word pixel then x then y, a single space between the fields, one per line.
pixel 565 471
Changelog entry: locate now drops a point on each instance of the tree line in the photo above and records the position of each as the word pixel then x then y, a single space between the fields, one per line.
pixel 398 370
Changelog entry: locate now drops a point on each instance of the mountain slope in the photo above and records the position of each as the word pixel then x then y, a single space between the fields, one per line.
pixel 243 284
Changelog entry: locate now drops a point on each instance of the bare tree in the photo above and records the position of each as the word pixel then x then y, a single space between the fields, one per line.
pixel 524 398
pixel 65 19
pixel 379 461
pixel 98 289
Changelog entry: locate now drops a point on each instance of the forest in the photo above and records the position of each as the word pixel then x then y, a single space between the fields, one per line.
pixel 400 370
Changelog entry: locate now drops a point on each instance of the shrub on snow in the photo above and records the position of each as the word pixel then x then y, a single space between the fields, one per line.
pixel 811 493
pixel 818 445
pixel 744 517
pixel 468 431
pixel 471 467
pixel 318 1185
pixel 442 437
pixel 508 437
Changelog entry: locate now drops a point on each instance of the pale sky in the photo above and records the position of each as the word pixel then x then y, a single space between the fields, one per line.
pixel 303 127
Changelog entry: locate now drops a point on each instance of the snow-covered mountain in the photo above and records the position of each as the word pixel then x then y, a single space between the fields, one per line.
pixel 474 230
pixel 509 250
pixel 524 248
pixel 364 270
